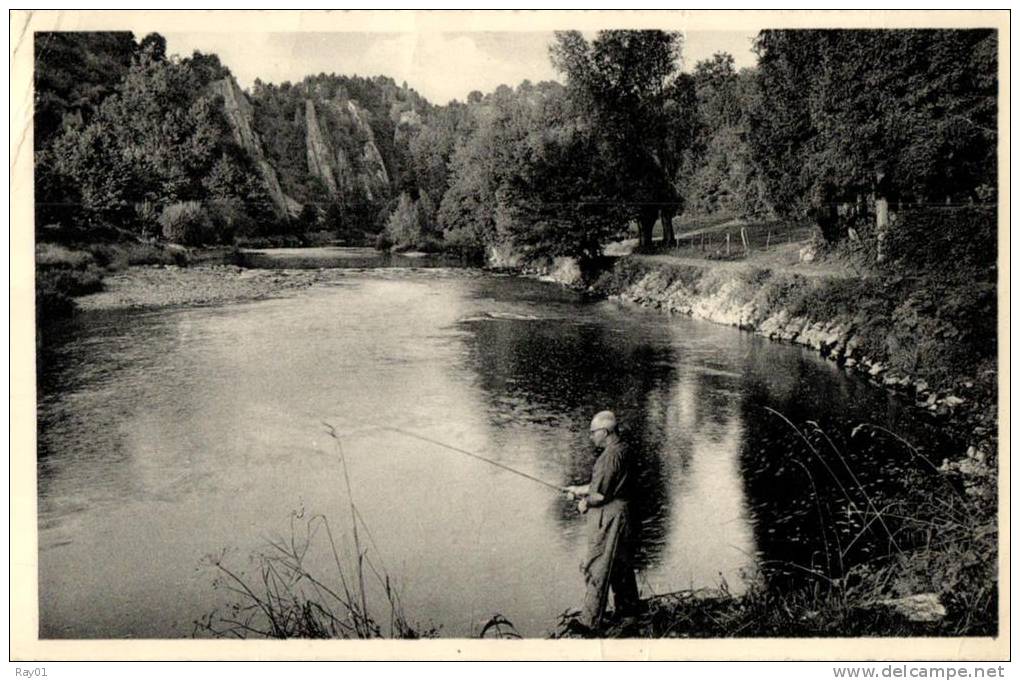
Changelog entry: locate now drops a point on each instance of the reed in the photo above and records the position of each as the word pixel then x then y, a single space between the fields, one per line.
pixel 286 598
pixel 938 543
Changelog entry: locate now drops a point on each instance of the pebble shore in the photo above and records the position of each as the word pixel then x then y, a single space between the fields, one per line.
pixel 161 286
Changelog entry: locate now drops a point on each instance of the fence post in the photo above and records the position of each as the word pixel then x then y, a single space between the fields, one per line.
pixel 743 237
pixel 727 243
pixel 768 239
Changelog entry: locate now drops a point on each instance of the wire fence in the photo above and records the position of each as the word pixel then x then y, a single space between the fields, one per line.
pixel 732 240
pixel 735 239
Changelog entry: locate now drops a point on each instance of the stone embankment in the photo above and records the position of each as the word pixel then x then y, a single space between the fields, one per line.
pixel 772 305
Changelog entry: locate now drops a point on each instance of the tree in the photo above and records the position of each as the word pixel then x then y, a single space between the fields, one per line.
pixel 623 81
pixel 846 115
pixel 153 46
pixel 781 127
pixel 719 173
pixel 74 72
pixel 91 175
pixel 403 228
pixel 558 198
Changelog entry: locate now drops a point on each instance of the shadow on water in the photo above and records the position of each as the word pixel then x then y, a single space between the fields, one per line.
pixel 153 424
pixel 814 494
pixel 686 412
pixel 555 374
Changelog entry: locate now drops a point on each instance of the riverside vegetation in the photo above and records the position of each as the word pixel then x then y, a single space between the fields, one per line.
pixel 881 143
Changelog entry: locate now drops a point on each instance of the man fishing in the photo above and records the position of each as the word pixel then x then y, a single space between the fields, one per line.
pixel 605 502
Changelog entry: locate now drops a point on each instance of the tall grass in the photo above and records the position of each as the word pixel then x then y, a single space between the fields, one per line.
pixel 939 545
pixel 288 599
pixel 937 542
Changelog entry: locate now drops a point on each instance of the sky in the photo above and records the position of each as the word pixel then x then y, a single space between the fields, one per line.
pixel 440 66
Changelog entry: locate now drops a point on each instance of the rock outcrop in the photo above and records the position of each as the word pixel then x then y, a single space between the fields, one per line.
pixel 319 156
pixel 239 113
pixel 374 175
pixel 332 165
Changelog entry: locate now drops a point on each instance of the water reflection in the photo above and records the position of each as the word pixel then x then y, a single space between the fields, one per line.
pixel 682 423
pixel 167 436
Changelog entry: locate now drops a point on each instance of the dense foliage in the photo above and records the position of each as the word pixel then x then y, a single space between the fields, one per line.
pixel 905 114
pixel 828 122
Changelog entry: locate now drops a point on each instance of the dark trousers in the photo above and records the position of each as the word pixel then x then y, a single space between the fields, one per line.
pixel 609 564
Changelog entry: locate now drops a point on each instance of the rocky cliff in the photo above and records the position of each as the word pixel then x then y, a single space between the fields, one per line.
pixel 322 163
pixel 374 175
pixel 318 151
pixel 241 117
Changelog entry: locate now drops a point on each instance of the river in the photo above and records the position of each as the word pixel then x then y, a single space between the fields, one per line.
pixel 170 436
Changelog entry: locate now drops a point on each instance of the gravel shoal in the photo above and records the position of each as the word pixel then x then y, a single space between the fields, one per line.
pixel 209 285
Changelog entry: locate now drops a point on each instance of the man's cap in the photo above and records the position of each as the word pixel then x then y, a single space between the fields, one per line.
pixel 604 419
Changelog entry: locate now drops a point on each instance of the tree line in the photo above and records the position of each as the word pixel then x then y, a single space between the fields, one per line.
pixel 129 140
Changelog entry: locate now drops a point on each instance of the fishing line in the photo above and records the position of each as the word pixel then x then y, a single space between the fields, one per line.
pixel 473 456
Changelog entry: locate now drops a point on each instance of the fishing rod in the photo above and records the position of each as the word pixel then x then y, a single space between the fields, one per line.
pixel 473 456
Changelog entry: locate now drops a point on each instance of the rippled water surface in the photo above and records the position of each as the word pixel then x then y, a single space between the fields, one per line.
pixel 166 437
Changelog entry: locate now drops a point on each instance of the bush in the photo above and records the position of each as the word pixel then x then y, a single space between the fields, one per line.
pixel 62 273
pixel 117 257
pixel 320 238
pixel 382 241
pixel 961 241
pixel 187 223
pixel 464 242
pixel 72 282
pixel 56 256
pixel 50 301
pixel 55 286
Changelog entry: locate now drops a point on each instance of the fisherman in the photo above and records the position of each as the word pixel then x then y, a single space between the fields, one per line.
pixel 605 502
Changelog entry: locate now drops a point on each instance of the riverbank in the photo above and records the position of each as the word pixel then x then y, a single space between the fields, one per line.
pixel 955 579
pixel 930 339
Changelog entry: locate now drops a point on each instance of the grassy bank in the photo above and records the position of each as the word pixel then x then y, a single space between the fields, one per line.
pixel 935 573
pixel 942 332
pixel 923 325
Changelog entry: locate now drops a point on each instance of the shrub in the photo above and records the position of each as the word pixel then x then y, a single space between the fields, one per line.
pixel 62 273
pixel 55 286
pixel 187 223
pixel 958 240
pixel 404 226
pixel 320 238
pixel 56 256
pixel 154 254
pixel 224 214
pixel 117 257
pixel 72 282
pixel 464 242
pixel 382 241
pixel 147 218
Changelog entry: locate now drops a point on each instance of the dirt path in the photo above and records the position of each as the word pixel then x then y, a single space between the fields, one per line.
pixel 780 258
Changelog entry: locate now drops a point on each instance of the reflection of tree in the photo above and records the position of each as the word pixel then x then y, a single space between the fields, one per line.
pixel 808 505
pixel 555 374
pixel 78 359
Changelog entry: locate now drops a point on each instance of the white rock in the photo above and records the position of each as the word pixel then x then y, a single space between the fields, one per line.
pixel 917 608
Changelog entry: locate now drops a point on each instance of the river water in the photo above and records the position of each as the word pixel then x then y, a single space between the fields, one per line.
pixel 171 436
